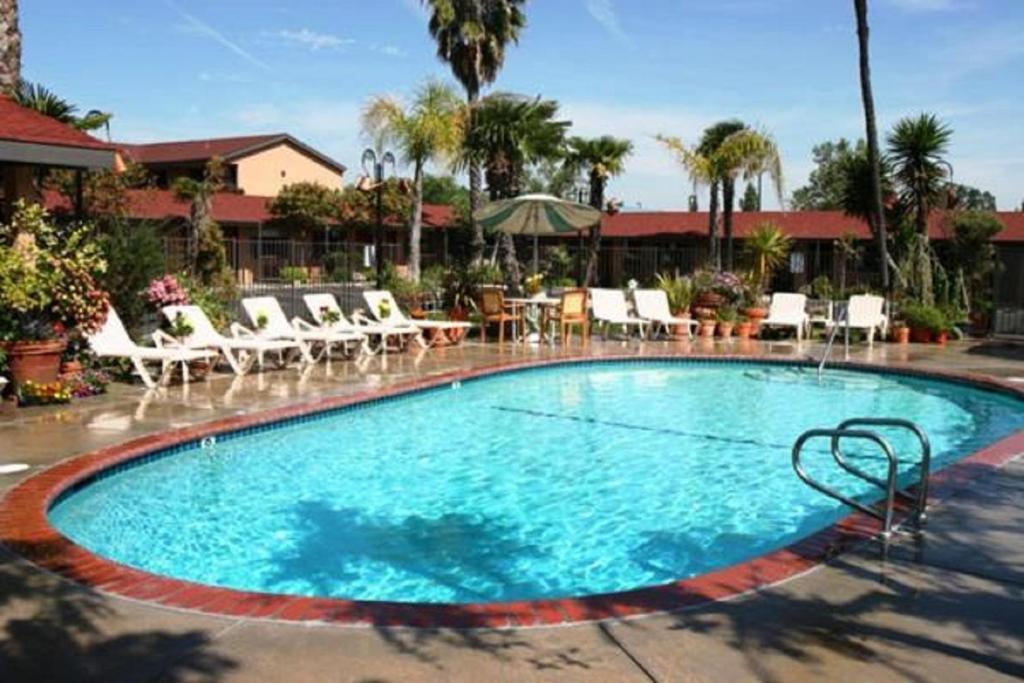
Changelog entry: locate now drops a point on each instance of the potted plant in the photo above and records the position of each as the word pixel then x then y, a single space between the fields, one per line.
pixel 744 327
pixel 262 320
pixel 900 332
pixel 329 316
pixel 181 328
pixel 726 321
pixel 48 292
pixel 926 322
pixel 679 291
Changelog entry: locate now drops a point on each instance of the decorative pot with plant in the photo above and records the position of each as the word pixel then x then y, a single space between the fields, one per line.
pixel 533 284
pixel 726 321
pixel 900 333
pixel 48 291
pixel 926 322
pixel 707 327
pixel 262 320
pixel 181 328
pixel 329 316
pixel 679 291
pixel 744 327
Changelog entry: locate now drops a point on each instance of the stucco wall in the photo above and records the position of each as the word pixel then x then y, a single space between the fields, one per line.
pixel 266 172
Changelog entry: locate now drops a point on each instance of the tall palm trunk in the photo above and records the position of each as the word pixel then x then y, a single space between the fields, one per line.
pixel 593 257
pixel 416 229
pixel 877 213
pixel 475 187
pixel 714 254
pixel 728 200
pixel 10 46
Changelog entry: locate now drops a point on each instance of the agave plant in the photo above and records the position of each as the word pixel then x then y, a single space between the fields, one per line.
pixel 768 247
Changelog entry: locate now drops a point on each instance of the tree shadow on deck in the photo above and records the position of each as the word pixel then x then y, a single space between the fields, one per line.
pixel 54 630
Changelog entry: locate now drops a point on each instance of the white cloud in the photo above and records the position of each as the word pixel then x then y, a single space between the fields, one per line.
pixel 388 50
pixel 313 40
pixel 201 28
pixel 603 13
pixel 930 5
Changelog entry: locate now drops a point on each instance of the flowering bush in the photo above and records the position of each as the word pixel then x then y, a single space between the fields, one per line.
pixel 167 291
pixel 729 285
pixel 33 394
pixel 88 383
pixel 47 278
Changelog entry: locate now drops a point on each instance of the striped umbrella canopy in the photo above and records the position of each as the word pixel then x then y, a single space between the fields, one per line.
pixel 537 214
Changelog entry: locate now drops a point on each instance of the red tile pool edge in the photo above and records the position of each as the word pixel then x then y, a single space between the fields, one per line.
pixel 25 528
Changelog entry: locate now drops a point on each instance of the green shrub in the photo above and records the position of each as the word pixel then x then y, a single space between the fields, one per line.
pixel 135 257
pixel 294 274
pixel 921 316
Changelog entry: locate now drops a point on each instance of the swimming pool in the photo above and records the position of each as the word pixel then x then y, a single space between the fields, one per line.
pixel 568 480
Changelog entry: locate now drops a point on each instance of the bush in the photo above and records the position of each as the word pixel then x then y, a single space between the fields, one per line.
pixel 294 274
pixel 134 255
pixel 921 316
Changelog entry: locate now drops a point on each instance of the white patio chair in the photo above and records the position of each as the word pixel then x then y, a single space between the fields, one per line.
pixel 112 341
pixel 318 304
pixel 378 300
pixel 866 312
pixel 652 306
pixel 241 350
pixel 788 310
pixel 609 309
pixel 308 336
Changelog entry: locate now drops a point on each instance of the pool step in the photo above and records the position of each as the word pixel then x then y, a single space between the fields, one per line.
pixel 854 428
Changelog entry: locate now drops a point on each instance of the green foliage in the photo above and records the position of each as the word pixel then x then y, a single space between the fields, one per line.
pixel 558 265
pixel 216 302
pixel 821 287
pixel 294 274
pixel 463 283
pixel 306 206
pixel 767 246
pixel 727 314
pixel 826 188
pixel 38 98
pixel 679 289
pixel 134 255
pixel 750 200
pixel 360 208
pixel 407 293
pixel 971 254
pixel 967 198
pixel 925 316
pixel 446 190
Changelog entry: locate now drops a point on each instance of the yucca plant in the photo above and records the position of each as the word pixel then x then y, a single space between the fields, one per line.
pixel 768 247
pixel 679 289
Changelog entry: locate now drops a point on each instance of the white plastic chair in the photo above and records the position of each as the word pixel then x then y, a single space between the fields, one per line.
pixel 112 341
pixel 318 304
pixel 377 300
pixel 652 306
pixel 240 351
pixel 308 336
pixel 866 312
pixel 788 310
pixel 609 308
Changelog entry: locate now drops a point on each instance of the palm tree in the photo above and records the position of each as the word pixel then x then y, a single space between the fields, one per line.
pixel 768 247
pixel 702 171
pixel 429 130
pixel 43 100
pixel 506 133
pixel 206 258
pixel 471 37
pixel 600 158
pixel 876 217
pixel 916 149
pixel 10 47
pixel 727 150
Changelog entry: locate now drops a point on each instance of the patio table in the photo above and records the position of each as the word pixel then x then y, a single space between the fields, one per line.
pixel 534 306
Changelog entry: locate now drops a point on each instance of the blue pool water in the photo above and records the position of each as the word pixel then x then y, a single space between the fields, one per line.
pixel 555 482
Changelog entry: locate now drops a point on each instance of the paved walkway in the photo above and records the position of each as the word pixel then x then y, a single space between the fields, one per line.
pixel 948 608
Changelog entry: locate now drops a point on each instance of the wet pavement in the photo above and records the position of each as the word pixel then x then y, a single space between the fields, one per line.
pixel 946 607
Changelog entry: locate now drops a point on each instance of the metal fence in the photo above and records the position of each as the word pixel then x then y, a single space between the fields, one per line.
pixel 290 295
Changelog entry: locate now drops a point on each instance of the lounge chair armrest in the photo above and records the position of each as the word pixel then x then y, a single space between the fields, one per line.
pixel 163 340
pixel 240 331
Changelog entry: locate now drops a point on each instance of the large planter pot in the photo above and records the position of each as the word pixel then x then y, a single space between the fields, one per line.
pixel 901 335
pixel 681 330
pixel 941 338
pixel 709 300
pixel 35 361
pixel 744 330
pixel 707 328
pixel 756 315
pixel 920 335
pixel 725 329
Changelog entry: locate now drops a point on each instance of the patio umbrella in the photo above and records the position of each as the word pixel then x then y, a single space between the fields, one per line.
pixel 537 214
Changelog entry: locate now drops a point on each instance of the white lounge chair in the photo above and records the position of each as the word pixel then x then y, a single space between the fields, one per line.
pixel 112 341
pixel 308 336
pixel 609 308
pixel 240 350
pixel 398 335
pixel 788 310
pixel 378 301
pixel 865 312
pixel 652 306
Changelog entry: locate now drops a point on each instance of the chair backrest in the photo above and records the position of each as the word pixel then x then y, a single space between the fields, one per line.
pixel 374 299
pixel 492 301
pixel 865 310
pixel 652 304
pixel 788 307
pixel 609 304
pixel 112 338
pixel 203 331
pixel 269 308
pixel 319 303
pixel 574 303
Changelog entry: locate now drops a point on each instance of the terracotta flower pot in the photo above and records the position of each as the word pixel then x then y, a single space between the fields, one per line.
pixel 920 335
pixel 35 361
pixel 941 338
pixel 681 330
pixel 70 367
pixel 901 335
pixel 756 314
pixel 744 330
pixel 707 328
pixel 709 300
pixel 725 329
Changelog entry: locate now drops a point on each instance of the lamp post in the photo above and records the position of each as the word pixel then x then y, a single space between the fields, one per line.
pixel 374 167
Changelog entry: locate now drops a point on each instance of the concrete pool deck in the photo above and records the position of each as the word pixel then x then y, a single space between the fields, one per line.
pixel 948 608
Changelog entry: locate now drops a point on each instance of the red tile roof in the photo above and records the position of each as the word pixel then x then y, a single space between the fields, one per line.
pixel 182 151
pixel 162 205
pixel 19 124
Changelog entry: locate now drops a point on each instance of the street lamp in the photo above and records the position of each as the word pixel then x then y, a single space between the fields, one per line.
pixel 373 181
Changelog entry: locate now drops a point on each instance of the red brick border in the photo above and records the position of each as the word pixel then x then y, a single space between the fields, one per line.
pixel 25 528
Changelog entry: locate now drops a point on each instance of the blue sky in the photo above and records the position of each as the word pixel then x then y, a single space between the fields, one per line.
pixel 173 69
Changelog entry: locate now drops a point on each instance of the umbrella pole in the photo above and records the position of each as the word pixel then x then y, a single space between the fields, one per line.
pixel 536 254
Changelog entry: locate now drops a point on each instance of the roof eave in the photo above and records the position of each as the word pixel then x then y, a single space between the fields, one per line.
pixel 63 156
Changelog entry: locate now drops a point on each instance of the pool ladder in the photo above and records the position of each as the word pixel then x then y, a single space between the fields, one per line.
pixel 855 429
